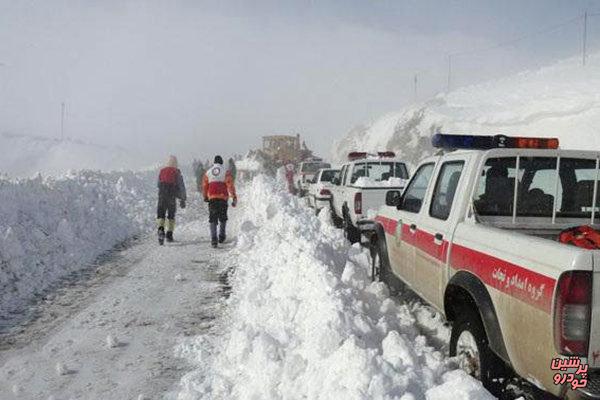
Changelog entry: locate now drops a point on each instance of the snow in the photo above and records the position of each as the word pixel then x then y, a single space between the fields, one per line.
pixel 248 164
pixel 304 320
pixel 560 100
pixel 30 155
pixel 364 181
pixel 51 227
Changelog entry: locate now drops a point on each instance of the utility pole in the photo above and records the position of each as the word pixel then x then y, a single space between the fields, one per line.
pixel 62 121
pixel 416 81
pixel 449 72
pixel 585 17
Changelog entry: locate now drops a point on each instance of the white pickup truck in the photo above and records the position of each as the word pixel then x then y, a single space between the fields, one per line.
pixel 319 189
pixel 362 187
pixel 475 234
pixel 306 173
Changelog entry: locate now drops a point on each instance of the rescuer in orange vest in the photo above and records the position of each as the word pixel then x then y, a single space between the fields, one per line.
pixel 217 187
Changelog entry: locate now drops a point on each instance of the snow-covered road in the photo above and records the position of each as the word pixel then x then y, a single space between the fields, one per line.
pixel 113 334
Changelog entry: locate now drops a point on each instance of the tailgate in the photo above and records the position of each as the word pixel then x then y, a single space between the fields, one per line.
pixel 594 348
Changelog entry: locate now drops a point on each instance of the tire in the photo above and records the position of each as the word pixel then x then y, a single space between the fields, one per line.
pixel 352 232
pixel 469 340
pixel 380 268
pixel 337 221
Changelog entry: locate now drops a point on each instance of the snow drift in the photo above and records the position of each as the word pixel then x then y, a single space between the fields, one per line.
pixel 50 227
pixel 29 155
pixel 305 321
pixel 562 100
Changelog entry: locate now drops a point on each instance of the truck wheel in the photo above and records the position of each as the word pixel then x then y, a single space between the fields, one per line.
pixel 469 342
pixel 352 232
pixel 380 269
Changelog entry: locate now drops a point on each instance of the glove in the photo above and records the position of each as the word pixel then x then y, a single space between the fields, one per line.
pixel 206 199
pixel 182 203
pixel 234 202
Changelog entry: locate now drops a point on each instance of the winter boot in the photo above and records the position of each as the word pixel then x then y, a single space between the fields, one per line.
pixel 221 238
pixel 169 236
pixel 161 235
pixel 214 244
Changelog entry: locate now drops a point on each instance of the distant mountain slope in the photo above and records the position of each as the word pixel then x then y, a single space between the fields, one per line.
pixel 561 100
pixel 24 156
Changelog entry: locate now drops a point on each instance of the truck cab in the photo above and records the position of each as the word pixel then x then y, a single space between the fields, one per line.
pixel 364 182
pixel 476 234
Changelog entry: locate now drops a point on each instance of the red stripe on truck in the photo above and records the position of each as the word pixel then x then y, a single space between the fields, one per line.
pixel 389 225
pixel 516 281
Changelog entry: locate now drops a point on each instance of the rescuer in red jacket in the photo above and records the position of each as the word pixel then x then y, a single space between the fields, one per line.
pixel 217 187
pixel 170 188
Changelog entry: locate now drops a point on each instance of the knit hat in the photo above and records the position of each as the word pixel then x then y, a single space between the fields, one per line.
pixel 218 160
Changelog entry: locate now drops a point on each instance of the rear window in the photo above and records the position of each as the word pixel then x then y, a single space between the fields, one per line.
pixel 544 184
pixel 311 168
pixel 379 171
pixel 328 175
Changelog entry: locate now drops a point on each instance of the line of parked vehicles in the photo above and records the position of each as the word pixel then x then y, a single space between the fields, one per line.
pixel 478 231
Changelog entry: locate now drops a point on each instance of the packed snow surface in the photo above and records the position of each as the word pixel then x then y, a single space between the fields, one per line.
pixel 305 321
pixel 561 100
pixel 51 227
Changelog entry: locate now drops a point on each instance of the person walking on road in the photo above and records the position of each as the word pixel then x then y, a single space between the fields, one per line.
pixel 170 188
pixel 217 187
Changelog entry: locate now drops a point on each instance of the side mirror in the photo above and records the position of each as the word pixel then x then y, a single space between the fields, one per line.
pixel 393 198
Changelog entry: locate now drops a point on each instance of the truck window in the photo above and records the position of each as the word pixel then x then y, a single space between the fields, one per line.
pixel 313 167
pixel 445 189
pixel 495 192
pixel 415 192
pixel 359 170
pixel 383 171
pixel 328 175
pixel 540 189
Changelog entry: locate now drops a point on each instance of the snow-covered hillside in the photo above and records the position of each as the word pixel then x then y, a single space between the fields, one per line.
pixel 50 227
pixel 561 100
pixel 25 156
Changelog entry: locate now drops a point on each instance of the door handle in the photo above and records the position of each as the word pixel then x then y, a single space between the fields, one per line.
pixel 413 228
pixel 438 238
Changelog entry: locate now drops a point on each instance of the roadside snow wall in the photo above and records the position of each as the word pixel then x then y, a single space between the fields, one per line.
pixel 51 227
pixel 304 320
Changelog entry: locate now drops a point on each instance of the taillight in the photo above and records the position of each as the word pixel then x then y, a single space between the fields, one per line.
pixel 572 307
pixel 358 203
pixel 325 192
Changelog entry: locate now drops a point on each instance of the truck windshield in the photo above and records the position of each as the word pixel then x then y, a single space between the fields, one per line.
pixel 328 175
pixel 544 185
pixel 313 167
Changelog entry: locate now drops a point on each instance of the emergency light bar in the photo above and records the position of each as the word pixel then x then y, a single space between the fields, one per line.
pixel 491 142
pixel 357 155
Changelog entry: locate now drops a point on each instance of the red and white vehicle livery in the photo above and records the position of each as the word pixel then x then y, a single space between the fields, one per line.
pixel 475 234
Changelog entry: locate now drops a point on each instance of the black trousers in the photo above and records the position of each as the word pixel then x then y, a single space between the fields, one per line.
pixel 217 210
pixel 167 206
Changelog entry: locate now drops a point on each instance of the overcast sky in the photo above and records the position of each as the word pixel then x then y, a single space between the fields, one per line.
pixel 199 77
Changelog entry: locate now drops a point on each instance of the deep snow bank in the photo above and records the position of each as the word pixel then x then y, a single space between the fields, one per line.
pixel 51 227
pixel 28 155
pixel 560 100
pixel 305 321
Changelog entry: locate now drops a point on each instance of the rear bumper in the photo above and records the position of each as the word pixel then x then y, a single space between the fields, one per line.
pixel 322 202
pixel 590 392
